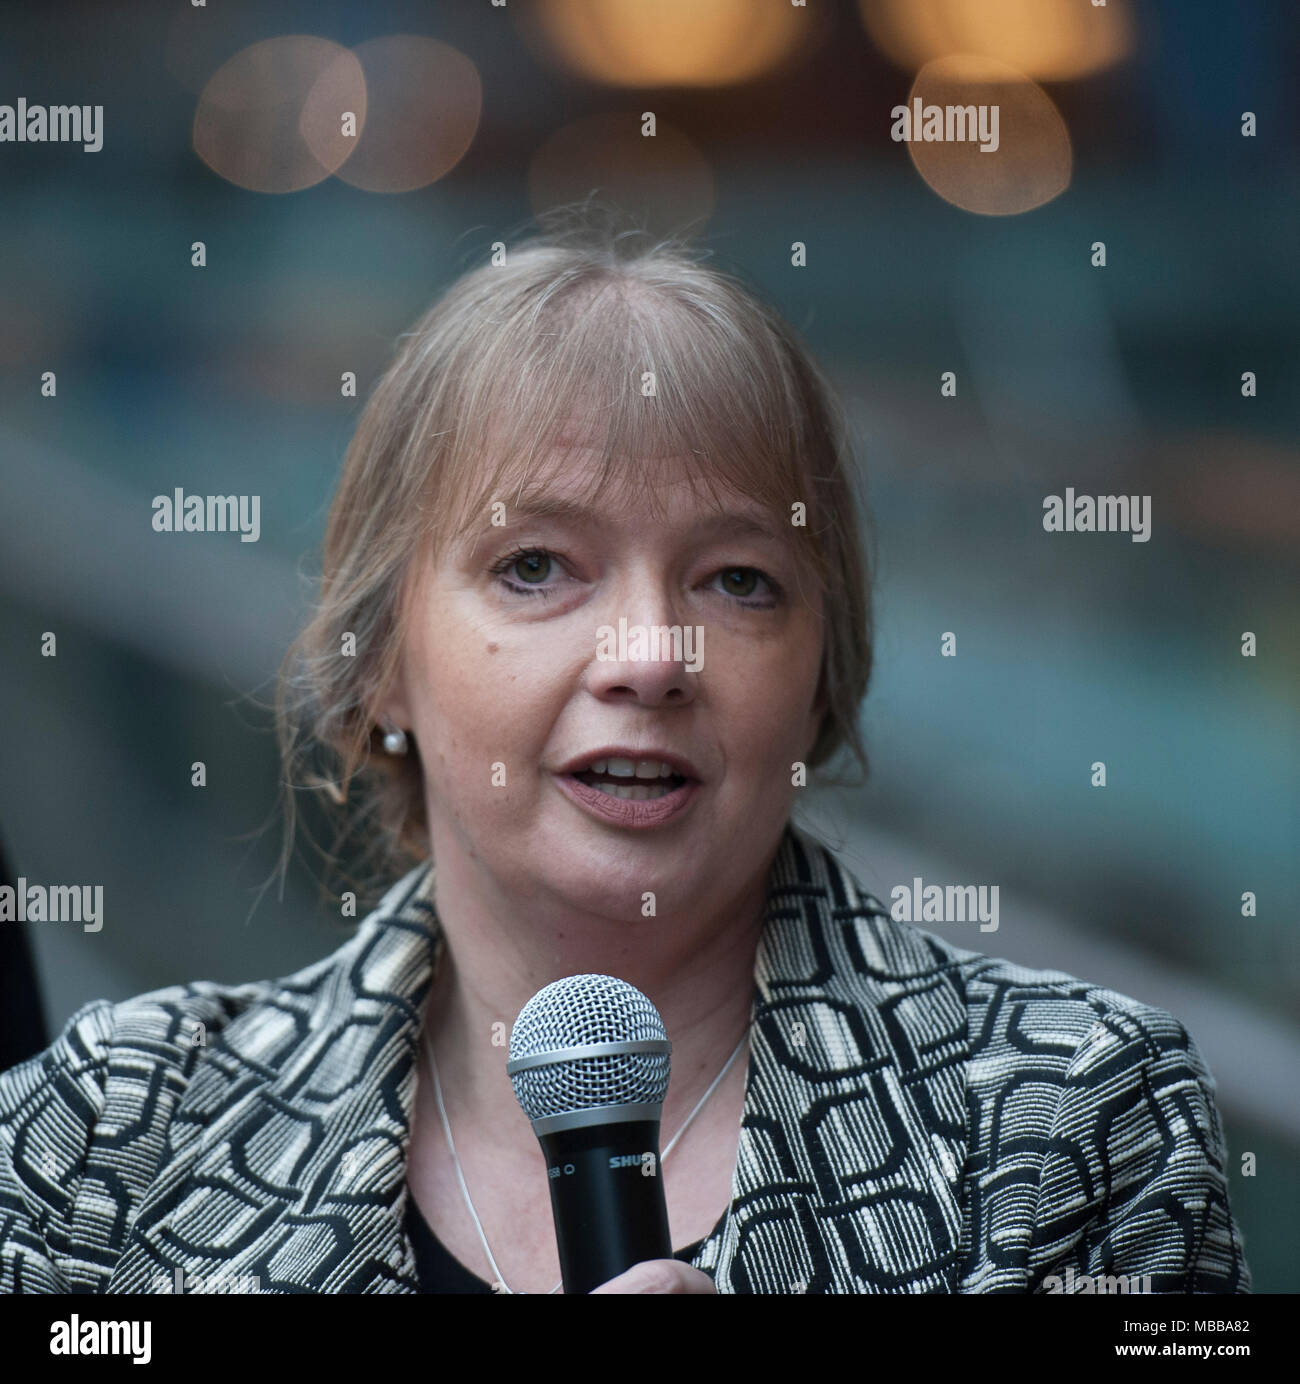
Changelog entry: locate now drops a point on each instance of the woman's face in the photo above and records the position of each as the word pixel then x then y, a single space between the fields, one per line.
pixel 514 678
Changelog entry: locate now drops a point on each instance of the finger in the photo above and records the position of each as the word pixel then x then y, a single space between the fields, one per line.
pixel 659 1276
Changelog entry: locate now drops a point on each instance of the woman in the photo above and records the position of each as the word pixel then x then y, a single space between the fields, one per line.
pixel 593 605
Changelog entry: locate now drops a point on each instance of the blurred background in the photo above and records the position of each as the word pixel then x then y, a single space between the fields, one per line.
pixel 1121 124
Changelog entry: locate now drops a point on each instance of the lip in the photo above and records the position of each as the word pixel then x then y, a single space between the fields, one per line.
pixel 623 812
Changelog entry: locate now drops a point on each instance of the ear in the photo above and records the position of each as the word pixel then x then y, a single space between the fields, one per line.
pixel 395 705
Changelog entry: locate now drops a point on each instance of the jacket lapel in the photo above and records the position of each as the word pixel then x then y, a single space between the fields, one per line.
pixel 854 1133
pixel 287 1157
pixel 287 1153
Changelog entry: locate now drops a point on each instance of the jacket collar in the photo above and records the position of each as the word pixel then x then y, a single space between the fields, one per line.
pixel 288 1148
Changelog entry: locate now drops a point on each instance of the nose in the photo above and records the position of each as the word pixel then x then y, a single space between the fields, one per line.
pixel 643 653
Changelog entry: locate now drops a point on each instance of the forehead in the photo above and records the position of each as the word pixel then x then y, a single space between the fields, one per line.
pixel 623 462
pixel 575 486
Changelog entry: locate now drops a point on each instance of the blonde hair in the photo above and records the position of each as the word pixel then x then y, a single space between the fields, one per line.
pixel 481 392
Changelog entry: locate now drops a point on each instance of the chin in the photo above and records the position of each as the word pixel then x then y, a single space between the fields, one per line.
pixel 606 882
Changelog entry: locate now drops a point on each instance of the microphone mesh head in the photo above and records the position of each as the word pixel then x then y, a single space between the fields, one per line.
pixel 579 1010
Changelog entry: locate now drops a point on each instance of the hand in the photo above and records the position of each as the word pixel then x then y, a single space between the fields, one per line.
pixel 660 1276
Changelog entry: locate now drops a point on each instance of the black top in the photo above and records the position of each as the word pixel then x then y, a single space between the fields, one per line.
pixel 439 1271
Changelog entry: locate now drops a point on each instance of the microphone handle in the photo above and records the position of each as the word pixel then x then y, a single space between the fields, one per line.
pixel 609 1212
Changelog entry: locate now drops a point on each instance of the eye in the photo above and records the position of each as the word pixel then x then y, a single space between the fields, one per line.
pixel 531 567
pixel 741 582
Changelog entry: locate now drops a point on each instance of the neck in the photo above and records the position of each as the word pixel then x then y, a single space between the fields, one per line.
pixel 499 952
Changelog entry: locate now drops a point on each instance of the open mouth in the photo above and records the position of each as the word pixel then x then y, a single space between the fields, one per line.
pixel 640 781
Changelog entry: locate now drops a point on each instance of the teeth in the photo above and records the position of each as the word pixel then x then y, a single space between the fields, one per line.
pixel 636 792
pixel 627 768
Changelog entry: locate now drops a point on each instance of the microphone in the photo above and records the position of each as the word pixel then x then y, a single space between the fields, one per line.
pixel 589 1063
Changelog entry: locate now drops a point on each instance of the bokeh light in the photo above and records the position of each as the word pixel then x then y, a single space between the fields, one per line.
pixel 672 42
pixel 268 119
pixel 1051 40
pixel 1033 158
pixel 425 100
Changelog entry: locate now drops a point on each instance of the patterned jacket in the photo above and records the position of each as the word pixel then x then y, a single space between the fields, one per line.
pixel 918 1119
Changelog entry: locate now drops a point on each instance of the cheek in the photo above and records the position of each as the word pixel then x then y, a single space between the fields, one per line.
pixel 768 692
pixel 484 700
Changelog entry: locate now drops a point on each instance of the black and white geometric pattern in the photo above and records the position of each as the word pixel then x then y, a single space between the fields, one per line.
pixel 918 1119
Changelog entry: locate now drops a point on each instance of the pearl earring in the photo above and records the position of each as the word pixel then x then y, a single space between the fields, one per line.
pixel 394 740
